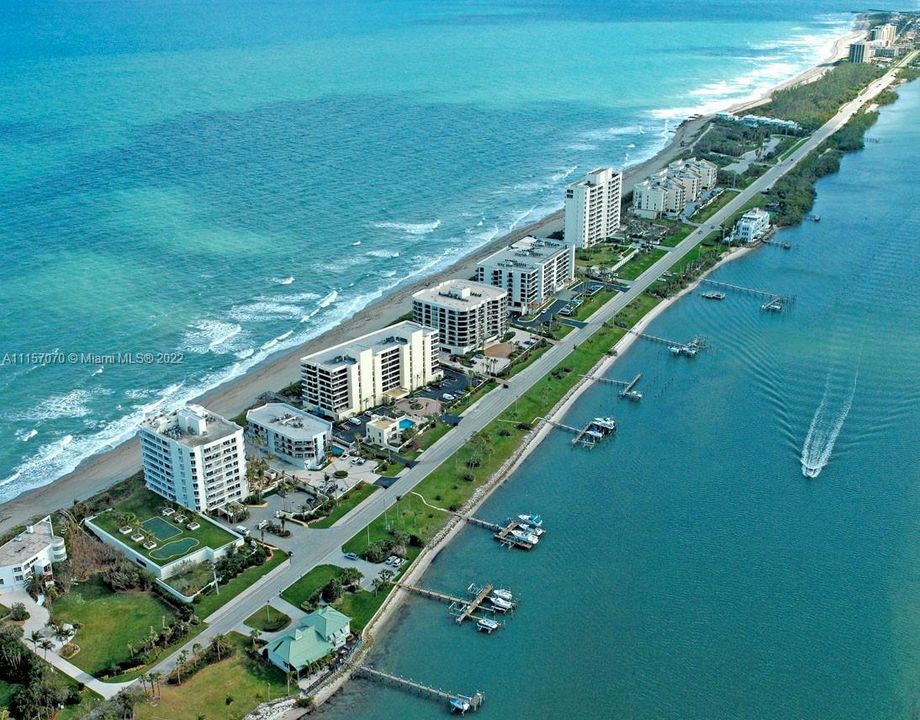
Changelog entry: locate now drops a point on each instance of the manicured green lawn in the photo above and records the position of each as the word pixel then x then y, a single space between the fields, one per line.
pixel 109 622
pixel 592 304
pixel 298 593
pixel 144 506
pixel 211 602
pixel 268 618
pixel 349 502
pixel 248 681
pixel 640 263
pixel 678 233
pixel 360 606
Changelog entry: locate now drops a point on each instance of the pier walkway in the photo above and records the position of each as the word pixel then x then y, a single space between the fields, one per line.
pixel 455 700
pixel 775 302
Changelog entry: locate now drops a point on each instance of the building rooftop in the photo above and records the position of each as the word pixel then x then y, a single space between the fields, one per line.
pixel 289 421
pixel 191 426
pixel 526 252
pixel 459 294
pixel 346 353
pixel 27 545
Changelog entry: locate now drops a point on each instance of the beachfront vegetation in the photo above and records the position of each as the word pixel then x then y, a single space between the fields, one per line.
pixel 813 104
pixel 348 502
pixel 240 678
pixel 725 137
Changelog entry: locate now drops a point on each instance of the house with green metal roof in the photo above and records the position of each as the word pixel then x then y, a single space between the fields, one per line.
pixel 318 634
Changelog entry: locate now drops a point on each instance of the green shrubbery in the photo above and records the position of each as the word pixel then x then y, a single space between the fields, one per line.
pixel 813 104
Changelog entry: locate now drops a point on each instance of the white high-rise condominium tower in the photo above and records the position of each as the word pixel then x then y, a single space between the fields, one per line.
pixel 592 207
pixel 194 458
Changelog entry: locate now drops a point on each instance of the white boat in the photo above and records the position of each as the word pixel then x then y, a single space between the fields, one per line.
pixel 525 537
pixel 811 471
pixel 603 425
pixel 503 594
pixel 486 625
pixel 500 604
pixel 675 349
pixel 459 705
pixel 532 520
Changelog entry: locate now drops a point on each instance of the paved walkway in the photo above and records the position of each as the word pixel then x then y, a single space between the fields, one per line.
pixel 38 620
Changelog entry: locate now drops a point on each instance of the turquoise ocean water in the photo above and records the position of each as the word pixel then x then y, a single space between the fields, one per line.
pixel 689 570
pixel 223 180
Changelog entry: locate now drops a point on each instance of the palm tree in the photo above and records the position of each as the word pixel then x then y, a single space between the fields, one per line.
pixel 155 680
pixel 35 637
pixel 180 664
pixel 46 645
pixel 228 701
pixel 253 635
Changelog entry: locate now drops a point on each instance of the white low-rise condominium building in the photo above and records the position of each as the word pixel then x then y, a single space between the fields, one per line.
pixel 194 458
pixel 467 314
pixel 658 196
pixel 360 374
pixel 530 270
pixel 29 553
pixel 752 226
pixel 592 207
pixel 295 436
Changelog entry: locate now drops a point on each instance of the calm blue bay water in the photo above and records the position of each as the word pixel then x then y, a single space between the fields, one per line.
pixel 227 179
pixel 689 569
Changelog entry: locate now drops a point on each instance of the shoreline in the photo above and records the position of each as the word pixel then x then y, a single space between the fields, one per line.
pixel 386 613
pixel 99 471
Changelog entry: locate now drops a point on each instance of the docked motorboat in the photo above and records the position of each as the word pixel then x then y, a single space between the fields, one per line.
pixel 532 520
pixel 459 705
pixel 503 594
pixel 525 537
pixel 605 423
pixel 487 626
pixel 500 604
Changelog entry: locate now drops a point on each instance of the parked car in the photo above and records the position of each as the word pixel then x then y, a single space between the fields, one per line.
pixel 448 397
pixel 242 530
pixel 351 556
pixel 354 421
pixel 392 560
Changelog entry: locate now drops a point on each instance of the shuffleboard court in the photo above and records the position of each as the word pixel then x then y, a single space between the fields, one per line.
pixel 174 549
pixel 160 528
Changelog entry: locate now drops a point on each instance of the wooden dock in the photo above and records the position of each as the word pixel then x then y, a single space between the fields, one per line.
pixel 775 302
pixel 698 341
pixel 432 693
pixel 462 608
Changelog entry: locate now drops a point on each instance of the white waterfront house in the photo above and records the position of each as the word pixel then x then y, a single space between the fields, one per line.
pixel 359 374
pixel 592 207
pixel 295 436
pixel 467 314
pixel 29 553
pixel 530 270
pixel 381 430
pixel 195 458
pixel 752 226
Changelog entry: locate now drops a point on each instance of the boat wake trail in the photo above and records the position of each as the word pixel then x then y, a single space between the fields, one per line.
pixel 824 429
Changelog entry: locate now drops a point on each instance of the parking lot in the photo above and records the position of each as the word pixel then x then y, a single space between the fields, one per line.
pixel 454 383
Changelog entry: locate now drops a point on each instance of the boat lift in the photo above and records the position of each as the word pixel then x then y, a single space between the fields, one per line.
pixel 774 302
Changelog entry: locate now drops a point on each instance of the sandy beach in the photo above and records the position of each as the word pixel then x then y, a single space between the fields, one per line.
pixel 230 399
